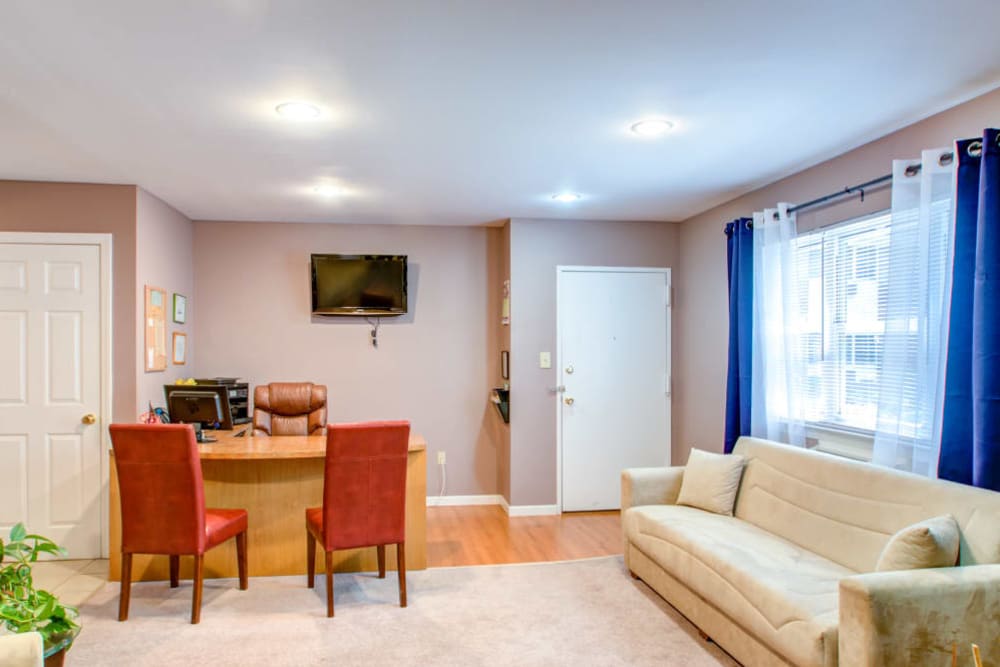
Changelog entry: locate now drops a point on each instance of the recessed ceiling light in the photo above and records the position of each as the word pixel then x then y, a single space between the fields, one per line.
pixel 297 110
pixel 566 197
pixel 327 190
pixel 652 127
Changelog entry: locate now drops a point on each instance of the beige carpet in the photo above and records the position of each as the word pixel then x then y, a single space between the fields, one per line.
pixel 577 613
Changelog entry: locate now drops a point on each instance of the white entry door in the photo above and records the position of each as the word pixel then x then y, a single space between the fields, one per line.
pixel 614 377
pixel 50 392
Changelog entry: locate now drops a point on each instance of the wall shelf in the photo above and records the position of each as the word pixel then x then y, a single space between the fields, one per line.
pixel 501 399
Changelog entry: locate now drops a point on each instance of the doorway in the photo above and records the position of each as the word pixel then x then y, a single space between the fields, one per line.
pixel 55 386
pixel 613 338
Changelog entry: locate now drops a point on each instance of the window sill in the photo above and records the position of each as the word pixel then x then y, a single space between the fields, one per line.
pixel 848 444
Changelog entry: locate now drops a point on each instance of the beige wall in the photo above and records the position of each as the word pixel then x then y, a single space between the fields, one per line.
pixel 84 208
pixel 536 248
pixel 433 366
pixel 701 314
pixel 164 259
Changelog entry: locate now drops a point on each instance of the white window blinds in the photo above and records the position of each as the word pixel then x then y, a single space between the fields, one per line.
pixel 841 298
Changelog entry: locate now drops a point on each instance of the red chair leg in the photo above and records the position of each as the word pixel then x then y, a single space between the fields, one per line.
pixel 329 584
pixel 241 559
pixel 126 590
pixel 199 576
pixel 380 550
pixel 175 571
pixel 310 559
pixel 401 567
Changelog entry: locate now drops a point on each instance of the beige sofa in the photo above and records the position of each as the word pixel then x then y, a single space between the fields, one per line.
pixel 23 650
pixel 790 579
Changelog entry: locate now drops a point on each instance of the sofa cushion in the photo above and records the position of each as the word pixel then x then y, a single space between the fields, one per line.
pixel 775 590
pixel 930 543
pixel 711 481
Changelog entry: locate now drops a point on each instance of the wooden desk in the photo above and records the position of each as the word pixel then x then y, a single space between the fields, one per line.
pixel 275 479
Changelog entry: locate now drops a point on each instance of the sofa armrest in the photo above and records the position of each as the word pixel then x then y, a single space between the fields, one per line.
pixel 913 617
pixel 650 486
pixel 23 650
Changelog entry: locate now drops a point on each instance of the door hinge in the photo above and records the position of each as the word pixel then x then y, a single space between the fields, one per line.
pixel 668 384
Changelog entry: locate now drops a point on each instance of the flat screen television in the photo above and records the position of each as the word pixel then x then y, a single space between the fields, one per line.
pixel 358 284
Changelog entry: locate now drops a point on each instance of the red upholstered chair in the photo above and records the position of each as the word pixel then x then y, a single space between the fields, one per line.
pixel 364 498
pixel 163 505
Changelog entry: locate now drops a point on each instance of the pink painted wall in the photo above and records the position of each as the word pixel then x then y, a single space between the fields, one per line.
pixel 85 208
pixel 164 259
pixel 701 314
pixel 434 366
pixel 536 248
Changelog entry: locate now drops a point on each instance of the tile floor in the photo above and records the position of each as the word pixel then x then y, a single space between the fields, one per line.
pixel 72 581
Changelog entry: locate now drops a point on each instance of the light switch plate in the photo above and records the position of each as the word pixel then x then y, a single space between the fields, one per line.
pixel 545 360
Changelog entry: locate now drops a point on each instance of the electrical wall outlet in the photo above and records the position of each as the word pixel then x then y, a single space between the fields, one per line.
pixel 441 458
pixel 544 360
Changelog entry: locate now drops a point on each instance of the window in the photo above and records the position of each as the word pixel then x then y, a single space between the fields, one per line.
pixel 842 290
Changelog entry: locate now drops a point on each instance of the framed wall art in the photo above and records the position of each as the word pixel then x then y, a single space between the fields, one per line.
pixel 180 308
pixel 180 348
pixel 155 318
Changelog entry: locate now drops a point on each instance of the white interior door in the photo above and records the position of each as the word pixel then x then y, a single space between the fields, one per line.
pixel 614 370
pixel 50 381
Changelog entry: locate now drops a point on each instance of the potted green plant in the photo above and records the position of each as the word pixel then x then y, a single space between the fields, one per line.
pixel 23 608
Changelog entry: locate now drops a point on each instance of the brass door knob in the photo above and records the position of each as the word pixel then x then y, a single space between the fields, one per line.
pixel 89 418
pixel 568 401
pixel 569 369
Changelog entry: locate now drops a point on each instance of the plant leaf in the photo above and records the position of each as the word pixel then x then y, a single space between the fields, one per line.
pixel 18 532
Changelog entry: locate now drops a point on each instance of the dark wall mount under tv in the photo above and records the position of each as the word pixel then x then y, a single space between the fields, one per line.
pixel 358 285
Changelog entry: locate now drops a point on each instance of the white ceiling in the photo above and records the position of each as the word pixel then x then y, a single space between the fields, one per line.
pixel 467 111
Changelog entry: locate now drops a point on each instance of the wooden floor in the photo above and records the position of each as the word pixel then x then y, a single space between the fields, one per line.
pixel 482 535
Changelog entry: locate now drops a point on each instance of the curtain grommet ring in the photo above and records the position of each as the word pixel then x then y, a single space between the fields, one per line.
pixel 946 159
pixel 975 149
pixel 912 170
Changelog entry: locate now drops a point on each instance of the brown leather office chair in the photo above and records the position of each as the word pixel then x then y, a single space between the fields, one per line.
pixel 163 505
pixel 364 498
pixel 289 408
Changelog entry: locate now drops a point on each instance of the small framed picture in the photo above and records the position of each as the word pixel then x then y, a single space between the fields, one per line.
pixel 505 364
pixel 180 308
pixel 180 348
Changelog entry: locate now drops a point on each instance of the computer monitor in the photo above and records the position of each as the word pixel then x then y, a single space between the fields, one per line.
pixel 192 406
pixel 225 423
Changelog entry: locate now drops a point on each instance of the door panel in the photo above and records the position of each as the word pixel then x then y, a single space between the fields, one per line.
pixel 614 366
pixel 50 377
pixel 14 490
pixel 13 357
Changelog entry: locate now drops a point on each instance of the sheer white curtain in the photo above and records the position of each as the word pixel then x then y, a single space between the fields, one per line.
pixel 778 370
pixel 911 382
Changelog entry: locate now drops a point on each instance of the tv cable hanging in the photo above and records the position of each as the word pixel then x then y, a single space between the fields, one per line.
pixel 374 325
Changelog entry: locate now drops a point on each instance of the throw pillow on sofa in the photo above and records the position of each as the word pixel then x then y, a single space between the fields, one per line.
pixel 711 481
pixel 928 543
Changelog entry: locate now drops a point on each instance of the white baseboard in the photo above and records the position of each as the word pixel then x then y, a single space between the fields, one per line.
pixel 493 499
pixel 531 510
pixel 485 499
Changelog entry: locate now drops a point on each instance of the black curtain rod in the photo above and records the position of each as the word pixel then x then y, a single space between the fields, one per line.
pixel 861 187
pixel 911 170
